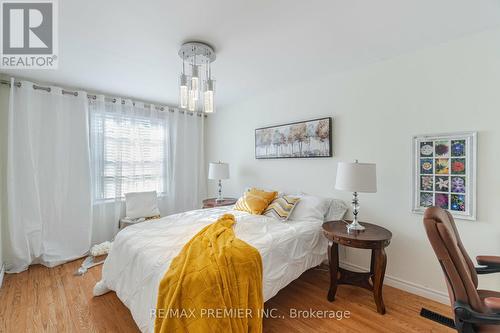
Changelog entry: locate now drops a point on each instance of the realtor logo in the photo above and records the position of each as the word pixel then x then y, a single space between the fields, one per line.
pixel 29 34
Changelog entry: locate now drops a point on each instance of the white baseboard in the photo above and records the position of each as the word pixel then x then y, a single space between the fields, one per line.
pixel 410 287
pixel 2 271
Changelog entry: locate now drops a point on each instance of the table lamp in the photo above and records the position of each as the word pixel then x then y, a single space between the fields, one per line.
pixel 218 171
pixel 356 177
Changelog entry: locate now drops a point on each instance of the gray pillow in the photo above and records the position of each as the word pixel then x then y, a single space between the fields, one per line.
pixel 337 210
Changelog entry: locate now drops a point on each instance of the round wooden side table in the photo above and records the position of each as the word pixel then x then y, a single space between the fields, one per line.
pixel 212 202
pixel 373 237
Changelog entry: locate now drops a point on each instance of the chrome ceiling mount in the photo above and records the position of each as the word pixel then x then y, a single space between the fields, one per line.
pixel 197 51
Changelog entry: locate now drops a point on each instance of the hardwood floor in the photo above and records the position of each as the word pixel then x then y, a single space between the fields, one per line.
pixel 53 300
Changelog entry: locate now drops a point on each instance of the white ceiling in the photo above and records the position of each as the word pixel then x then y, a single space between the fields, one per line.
pixel 129 48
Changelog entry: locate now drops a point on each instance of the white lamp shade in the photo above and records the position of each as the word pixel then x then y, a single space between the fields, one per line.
pixel 218 171
pixel 356 177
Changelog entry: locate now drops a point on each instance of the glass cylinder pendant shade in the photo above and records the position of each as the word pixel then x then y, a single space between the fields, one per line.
pixel 191 101
pixel 183 92
pixel 208 97
pixel 195 82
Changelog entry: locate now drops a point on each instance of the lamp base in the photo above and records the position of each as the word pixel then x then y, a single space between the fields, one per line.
pixel 219 194
pixel 354 226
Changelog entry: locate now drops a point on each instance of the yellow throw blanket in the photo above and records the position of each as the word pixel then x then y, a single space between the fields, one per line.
pixel 213 285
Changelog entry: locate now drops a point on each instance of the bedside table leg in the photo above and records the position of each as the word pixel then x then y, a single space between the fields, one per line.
pixel 378 281
pixel 333 259
pixel 372 263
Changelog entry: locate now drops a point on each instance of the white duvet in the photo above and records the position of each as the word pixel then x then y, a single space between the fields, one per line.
pixel 142 253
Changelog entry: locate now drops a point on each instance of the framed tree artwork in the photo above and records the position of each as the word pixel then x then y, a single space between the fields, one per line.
pixel 444 171
pixel 304 139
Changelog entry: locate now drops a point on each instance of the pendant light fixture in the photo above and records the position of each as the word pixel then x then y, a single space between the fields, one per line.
pixel 199 56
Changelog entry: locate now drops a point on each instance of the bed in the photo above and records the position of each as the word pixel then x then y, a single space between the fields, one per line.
pixel 142 253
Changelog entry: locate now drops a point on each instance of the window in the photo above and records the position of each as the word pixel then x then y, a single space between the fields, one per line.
pixel 129 153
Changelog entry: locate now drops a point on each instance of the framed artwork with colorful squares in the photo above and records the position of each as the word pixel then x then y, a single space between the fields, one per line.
pixel 444 171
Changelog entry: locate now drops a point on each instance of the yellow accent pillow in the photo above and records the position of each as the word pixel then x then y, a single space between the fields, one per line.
pixel 255 201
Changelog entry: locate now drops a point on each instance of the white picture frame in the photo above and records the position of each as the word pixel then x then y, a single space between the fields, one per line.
pixel 444 168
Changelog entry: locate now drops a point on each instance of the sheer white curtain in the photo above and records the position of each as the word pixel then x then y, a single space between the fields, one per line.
pixel 48 177
pixel 142 148
pixel 187 181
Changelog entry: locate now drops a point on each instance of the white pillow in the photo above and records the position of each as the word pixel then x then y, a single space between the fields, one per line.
pixel 141 204
pixel 310 208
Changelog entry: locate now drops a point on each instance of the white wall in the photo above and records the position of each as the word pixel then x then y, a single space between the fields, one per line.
pixel 376 110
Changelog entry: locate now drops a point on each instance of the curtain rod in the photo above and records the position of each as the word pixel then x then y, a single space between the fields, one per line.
pixel 94 96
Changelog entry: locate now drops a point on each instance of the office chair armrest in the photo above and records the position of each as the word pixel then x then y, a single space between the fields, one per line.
pixel 489 264
pixel 465 314
pixel 492 303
